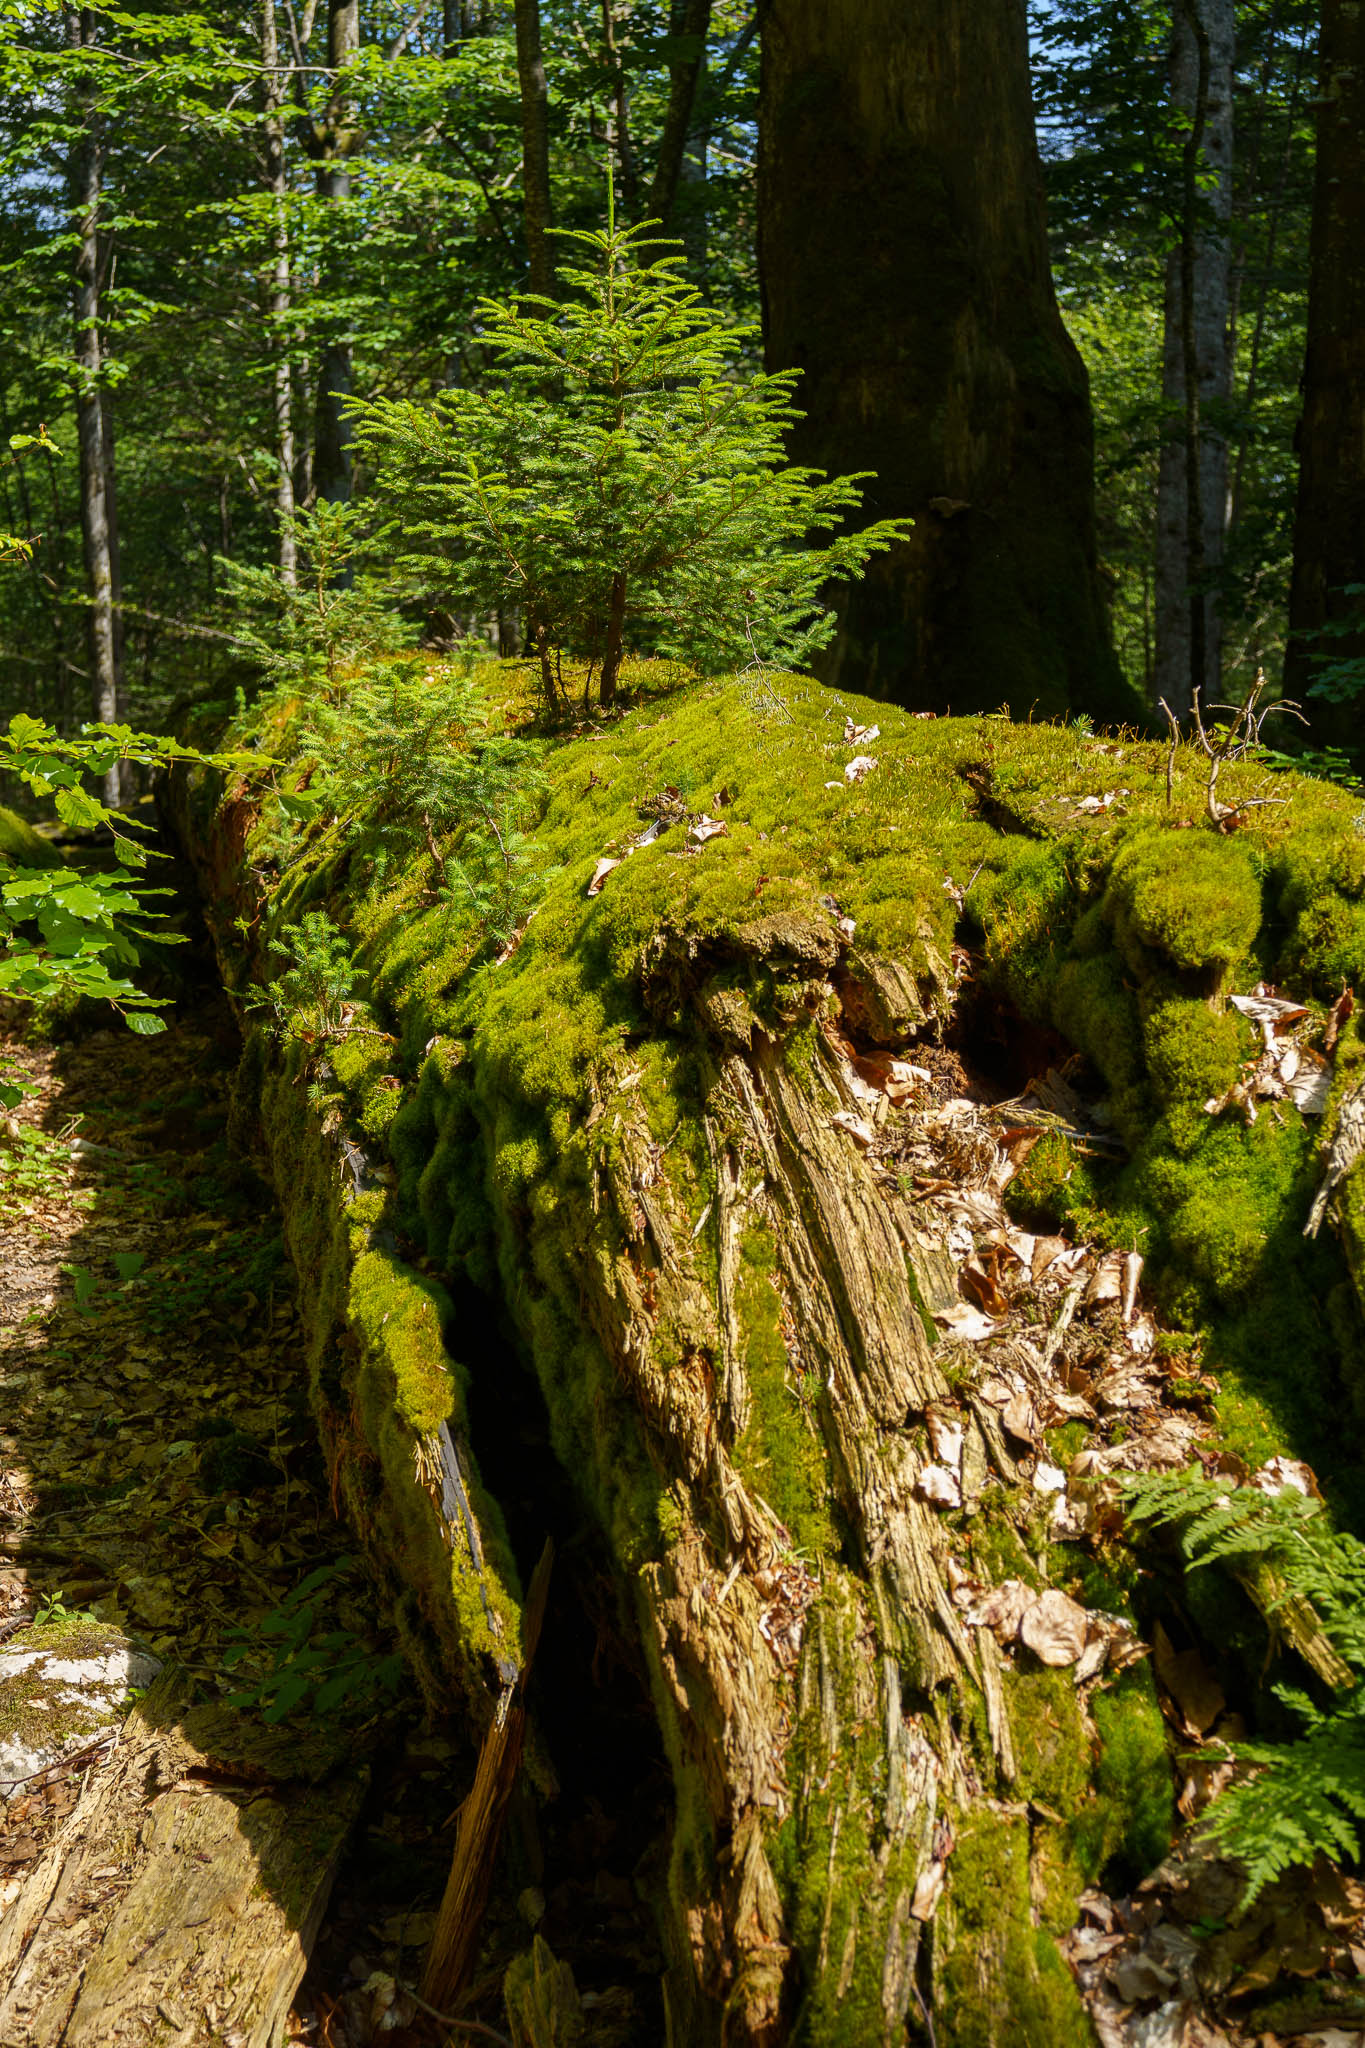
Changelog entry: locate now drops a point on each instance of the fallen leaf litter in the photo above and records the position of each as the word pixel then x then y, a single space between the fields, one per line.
pixel 1046 1332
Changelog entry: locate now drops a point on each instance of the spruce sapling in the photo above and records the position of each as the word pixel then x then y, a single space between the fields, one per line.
pixel 621 477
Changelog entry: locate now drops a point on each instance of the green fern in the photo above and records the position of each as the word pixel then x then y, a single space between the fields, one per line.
pixel 1305 1797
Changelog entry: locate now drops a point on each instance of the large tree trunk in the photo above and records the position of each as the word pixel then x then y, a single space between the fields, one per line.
pixel 332 146
pixel 1329 527
pixel 85 179
pixel 279 295
pixel 535 148
pixel 905 271
pixel 1196 365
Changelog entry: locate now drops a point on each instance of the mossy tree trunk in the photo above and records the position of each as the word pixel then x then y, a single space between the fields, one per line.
pixel 1329 527
pixel 905 271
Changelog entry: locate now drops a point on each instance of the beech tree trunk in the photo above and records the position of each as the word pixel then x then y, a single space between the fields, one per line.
pixel 1329 528
pixel 98 527
pixel 535 148
pixel 904 269
pixel 1192 484
pixel 280 296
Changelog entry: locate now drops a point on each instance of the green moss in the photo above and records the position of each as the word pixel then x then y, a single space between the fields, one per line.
pixel 781 1453
pixel 20 843
pixel 1126 1831
pixel 1187 898
pixel 1053 1180
pixel 998 1977
pixel 1192 1052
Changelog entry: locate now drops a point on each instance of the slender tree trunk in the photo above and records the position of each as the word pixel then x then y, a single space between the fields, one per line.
pixel 332 147
pixel 1276 215
pixel 1196 364
pixel 280 296
pixel 625 152
pixel 690 22
pixel 1329 527
pixel 107 424
pixel 904 266
pixel 535 148
pixel 616 625
pixel 98 531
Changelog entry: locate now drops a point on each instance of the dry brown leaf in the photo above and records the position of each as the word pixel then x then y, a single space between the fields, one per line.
pixel 1342 1008
pixel 946 1435
pixel 1054 1628
pixel 1002 1609
pixel 706 828
pixel 1273 1012
pixel 600 873
pixel 1286 1475
pixel 1020 1420
pixel 1187 1680
pixel 858 1128
pixel 940 1487
pixel 983 1289
pixel 962 1320
pixel 1045 1250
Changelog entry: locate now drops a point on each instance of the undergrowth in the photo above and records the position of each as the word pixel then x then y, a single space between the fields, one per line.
pixel 1304 1797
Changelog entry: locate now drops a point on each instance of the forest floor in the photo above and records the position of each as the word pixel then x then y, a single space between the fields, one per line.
pixel 159 1474
pixel 158 1470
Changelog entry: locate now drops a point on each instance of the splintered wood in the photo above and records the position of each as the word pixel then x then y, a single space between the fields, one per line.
pixel 177 1903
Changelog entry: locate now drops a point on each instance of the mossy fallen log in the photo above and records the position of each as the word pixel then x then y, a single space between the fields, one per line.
pixel 701 1133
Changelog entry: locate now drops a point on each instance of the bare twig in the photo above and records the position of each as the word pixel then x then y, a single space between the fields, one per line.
pixel 1170 751
pixel 447 2020
pixel 1234 742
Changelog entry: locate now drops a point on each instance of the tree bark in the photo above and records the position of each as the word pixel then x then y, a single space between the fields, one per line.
pixel 904 266
pixel 538 211
pixel 332 144
pixel 1329 527
pixel 98 531
pixel 280 296
pixel 690 23
pixel 1196 364
pixel 620 118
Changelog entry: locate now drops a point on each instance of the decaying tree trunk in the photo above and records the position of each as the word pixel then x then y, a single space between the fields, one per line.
pixel 179 1901
pixel 744 1210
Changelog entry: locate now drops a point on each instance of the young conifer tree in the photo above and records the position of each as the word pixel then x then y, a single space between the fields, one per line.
pixel 622 477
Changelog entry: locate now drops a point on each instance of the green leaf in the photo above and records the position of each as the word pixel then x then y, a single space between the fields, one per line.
pixel 145 1023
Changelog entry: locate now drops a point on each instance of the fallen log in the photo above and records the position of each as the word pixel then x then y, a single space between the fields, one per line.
pixel 705 1134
